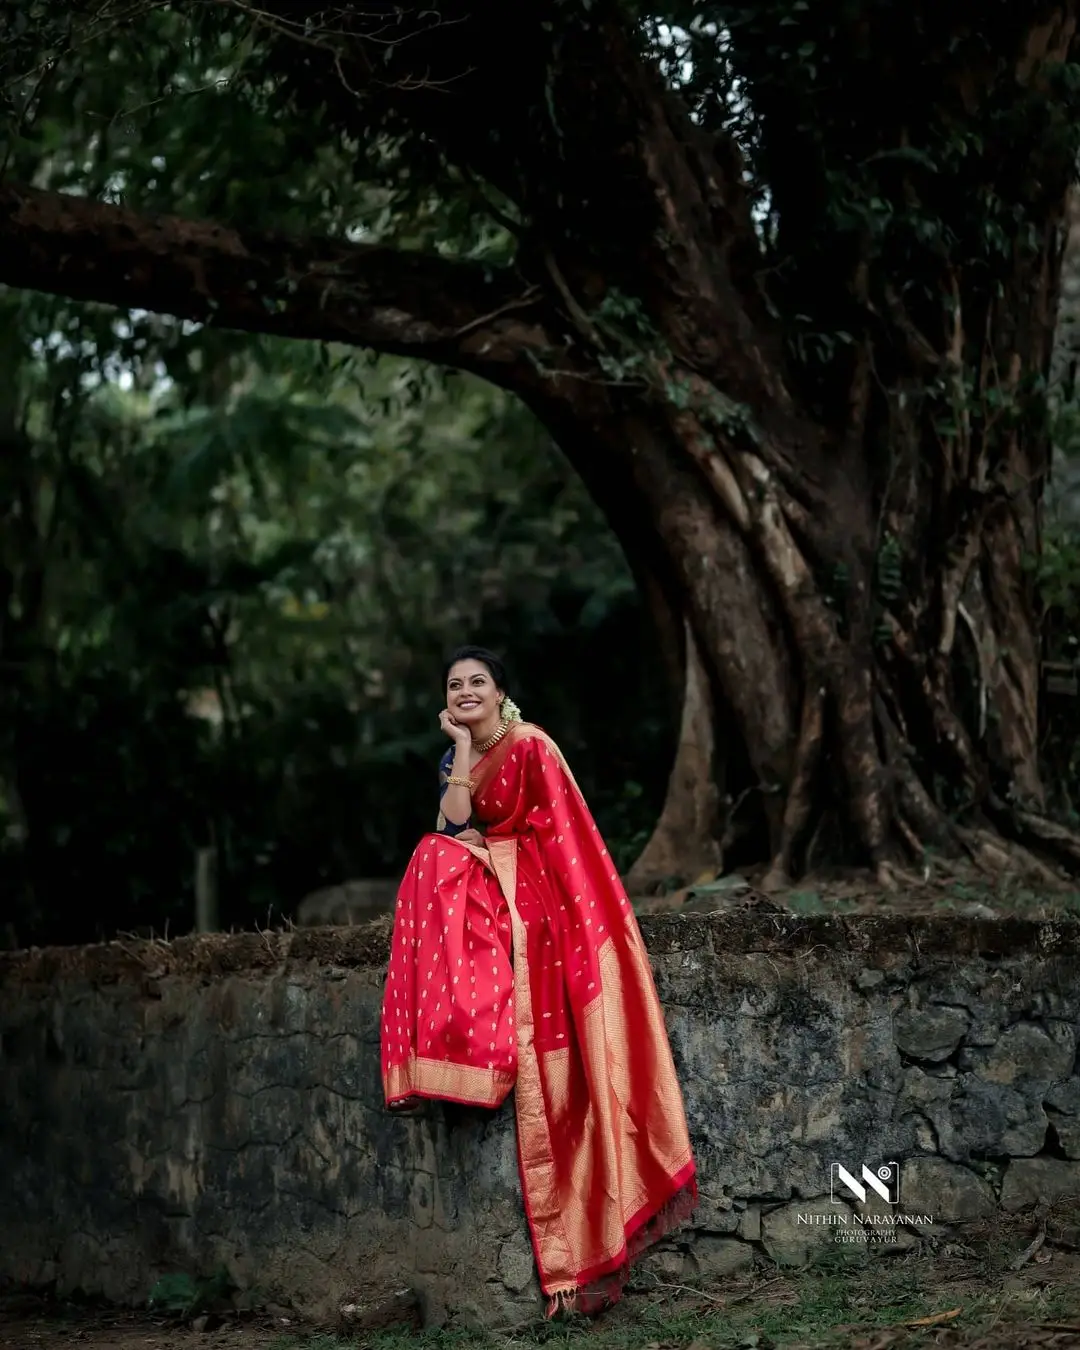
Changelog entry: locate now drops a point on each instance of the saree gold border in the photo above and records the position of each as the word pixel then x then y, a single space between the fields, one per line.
pixel 594 1227
pixel 440 1078
pixel 554 1257
pixel 678 1151
pixel 592 1213
pixel 667 1132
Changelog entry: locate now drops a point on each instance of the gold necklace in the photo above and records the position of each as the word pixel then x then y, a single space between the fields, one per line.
pixel 482 747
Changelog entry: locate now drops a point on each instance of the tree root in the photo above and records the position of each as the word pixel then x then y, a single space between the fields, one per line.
pixel 1021 843
pixel 797 807
pixel 918 817
pixel 890 877
pixel 894 809
pixel 1052 839
pixel 999 857
pixel 684 838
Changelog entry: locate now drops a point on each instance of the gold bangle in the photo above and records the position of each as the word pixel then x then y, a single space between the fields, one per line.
pixel 455 781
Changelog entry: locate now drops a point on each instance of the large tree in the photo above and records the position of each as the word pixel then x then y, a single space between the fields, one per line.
pixel 781 280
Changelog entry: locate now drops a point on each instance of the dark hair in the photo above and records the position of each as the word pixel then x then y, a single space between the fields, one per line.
pixel 486 658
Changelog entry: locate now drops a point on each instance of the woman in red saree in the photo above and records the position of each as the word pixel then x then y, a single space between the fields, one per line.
pixel 516 962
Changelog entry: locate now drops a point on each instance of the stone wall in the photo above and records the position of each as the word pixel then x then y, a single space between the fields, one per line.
pixel 216 1101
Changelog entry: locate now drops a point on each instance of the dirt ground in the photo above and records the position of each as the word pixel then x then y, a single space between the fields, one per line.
pixel 973 1296
pixel 979 1294
pixel 939 887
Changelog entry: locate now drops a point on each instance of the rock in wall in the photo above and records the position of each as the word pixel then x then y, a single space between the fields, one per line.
pixel 216 1101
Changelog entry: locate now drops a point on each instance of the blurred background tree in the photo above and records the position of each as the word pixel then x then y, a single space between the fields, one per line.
pixel 233 569
pixel 787 308
pixel 233 565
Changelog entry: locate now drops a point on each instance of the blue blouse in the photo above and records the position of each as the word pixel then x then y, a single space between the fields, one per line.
pixel 448 826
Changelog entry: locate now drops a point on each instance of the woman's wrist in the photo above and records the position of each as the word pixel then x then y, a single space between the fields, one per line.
pixel 457 796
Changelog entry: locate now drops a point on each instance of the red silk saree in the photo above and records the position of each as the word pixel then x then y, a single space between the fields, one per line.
pixel 520 965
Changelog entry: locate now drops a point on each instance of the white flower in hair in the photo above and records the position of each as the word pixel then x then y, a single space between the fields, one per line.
pixel 510 710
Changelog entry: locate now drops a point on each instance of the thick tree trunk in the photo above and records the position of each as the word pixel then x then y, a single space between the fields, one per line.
pixel 685 842
pixel 871 634
pixel 852 543
pixel 845 527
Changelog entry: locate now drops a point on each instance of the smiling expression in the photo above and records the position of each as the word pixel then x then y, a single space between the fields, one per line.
pixel 471 694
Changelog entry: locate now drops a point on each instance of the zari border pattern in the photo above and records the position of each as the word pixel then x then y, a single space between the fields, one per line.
pixel 465 1083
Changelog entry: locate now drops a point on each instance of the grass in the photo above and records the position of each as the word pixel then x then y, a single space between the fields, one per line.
pixel 809 903
pixel 836 1305
pixel 1004 898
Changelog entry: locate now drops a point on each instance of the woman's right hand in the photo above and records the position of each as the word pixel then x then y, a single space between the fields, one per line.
pixel 458 734
pixel 470 837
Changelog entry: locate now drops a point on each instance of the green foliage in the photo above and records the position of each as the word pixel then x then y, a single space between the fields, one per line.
pixel 179 1293
pixel 1058 574
pixel 236 570
pixel 898 166
pixel 235 564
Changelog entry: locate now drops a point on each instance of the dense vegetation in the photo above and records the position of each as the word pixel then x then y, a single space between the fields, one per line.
pixel 231 585
pixel 780 282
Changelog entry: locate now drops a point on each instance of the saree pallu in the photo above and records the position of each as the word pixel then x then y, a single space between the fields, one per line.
pixel 520 965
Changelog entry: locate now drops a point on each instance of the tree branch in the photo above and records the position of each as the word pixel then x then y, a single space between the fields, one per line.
pixel 363 295
pixel 647 204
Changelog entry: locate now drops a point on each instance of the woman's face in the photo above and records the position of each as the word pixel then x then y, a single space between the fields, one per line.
pixel 471 694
